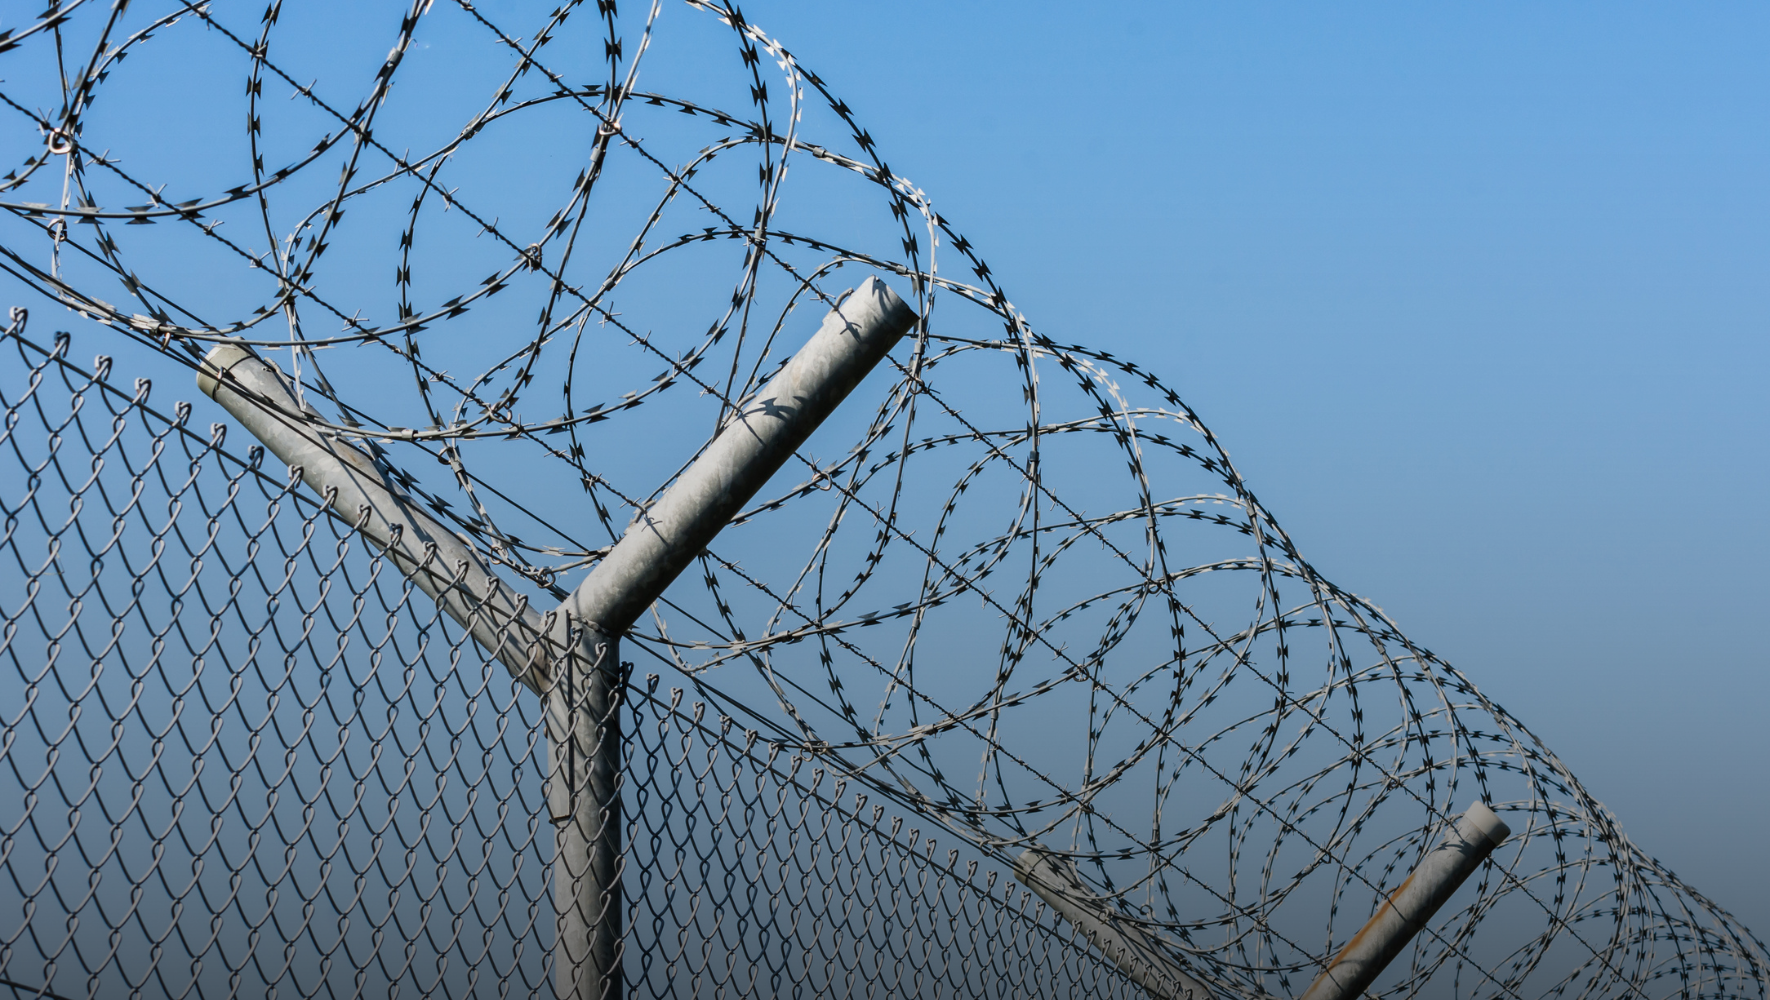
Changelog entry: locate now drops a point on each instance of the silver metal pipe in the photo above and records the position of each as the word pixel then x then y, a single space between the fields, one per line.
pixel 584 797
pixel 1476 833
pixel 745 454
pixel 1124 944
pixel 583 721
pixel 254 391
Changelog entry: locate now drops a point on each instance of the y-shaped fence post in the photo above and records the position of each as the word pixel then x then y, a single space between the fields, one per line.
pixel 573 658
pixel 761 435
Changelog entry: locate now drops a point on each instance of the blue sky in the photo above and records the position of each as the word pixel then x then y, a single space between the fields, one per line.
pixel 1475 295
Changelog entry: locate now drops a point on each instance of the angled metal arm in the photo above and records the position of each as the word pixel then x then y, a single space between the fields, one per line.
pixel 751 448
pixel 1126 945
pixel 254 392
pixel 1476 833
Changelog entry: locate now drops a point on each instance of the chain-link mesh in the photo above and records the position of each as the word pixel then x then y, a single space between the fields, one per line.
pixel 250 759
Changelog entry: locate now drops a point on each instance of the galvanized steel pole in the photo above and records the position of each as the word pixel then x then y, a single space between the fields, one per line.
pixel 572 657
pixel 584 800
pixel 1126 945
pixel 582 715
pixel 1477 832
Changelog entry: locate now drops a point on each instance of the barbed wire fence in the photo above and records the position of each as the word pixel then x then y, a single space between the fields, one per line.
pixel 1028 609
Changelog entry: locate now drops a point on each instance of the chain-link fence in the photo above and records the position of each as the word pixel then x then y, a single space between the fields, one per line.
pixel 250 759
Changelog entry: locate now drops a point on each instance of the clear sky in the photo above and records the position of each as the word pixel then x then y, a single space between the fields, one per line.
pixel 1476 296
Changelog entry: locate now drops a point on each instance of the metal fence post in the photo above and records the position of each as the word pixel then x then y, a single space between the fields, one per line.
pixel 1476 833
pixel 573 656
pixel 753 445
pixel 584 800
